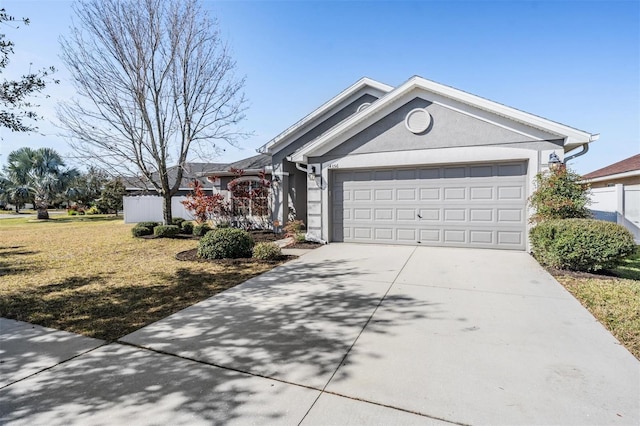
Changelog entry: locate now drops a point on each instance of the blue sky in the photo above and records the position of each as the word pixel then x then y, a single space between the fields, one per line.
pixel 575 62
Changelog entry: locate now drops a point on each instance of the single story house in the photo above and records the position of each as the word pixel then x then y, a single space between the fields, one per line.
pixel 142 202
pixel 418 164
pixel 626 172
pixel 191 171
pixel 615 193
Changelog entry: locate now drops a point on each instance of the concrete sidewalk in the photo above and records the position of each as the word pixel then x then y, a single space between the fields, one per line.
pixel 354 334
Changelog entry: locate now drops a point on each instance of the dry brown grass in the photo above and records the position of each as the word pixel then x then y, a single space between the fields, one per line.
pixel 90 276
pixel 614 299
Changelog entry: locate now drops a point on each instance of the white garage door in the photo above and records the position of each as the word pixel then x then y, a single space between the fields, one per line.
pixel 475 205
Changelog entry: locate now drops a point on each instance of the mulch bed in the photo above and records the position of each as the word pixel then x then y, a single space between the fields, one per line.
pixel 192 256
pixel 264 236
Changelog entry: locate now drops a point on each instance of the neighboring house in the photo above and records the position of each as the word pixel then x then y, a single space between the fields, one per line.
pixel 626 172
pixel 191 172
pixel 419 164
pixel 615 193
pixel 143 203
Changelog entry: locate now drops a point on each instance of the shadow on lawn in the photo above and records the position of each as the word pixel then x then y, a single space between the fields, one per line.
pixel 94 307
pixel 8 267
pixel 295 323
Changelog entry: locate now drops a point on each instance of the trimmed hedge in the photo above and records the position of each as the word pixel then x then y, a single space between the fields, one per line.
pixel 148 224
pixel 267 251
pixel 201 229
pixel 581 244
pixel 225 243
pixel 177 221
pixel 186 227
pixel 139 231
pixel 166 231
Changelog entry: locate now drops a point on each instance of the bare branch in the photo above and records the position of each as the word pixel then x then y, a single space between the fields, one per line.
pixel 156 83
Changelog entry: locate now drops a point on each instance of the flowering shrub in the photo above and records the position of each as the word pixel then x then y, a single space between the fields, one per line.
pixel 559 194
pixel 203 206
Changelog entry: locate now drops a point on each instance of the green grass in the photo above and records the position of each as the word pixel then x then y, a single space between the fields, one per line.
pixel 630 268
pixel 613 299
pixel 88 275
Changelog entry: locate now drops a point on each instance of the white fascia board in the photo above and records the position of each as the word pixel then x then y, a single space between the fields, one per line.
pixel 283 137
pixel 631 173
pixel 572 137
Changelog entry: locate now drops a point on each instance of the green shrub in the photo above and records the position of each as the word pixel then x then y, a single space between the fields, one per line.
pixel 226 243
pixel 300 237
pixel 186 227
pixel 150 225
pixel 72 212
pixel 581 244
pixel 222 225
pixel 177 221
pixel 166 231
pixel 93 210
pixel 559 194
pixel 201 229
pixel 139 231
pixel 267 251
pixel 293 228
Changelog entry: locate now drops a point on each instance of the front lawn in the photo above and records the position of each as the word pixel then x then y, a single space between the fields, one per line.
pixel 614 299
pixel 88 275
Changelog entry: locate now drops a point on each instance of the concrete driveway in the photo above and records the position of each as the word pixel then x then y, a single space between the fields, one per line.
pixel 353 334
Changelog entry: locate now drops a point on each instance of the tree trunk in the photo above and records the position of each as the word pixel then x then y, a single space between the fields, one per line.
pixel 166 209
pixel 43 213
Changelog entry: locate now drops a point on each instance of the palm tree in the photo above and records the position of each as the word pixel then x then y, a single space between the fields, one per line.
pixel 38 173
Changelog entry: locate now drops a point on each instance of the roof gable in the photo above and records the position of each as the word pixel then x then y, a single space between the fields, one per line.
pixel 362 86
pixel 483 109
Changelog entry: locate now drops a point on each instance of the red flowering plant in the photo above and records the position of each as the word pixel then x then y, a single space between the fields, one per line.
pixel 204 206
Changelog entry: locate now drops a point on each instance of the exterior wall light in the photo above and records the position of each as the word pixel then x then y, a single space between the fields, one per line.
pixel 554 161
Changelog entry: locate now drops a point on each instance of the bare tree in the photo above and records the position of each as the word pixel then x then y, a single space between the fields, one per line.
pixel 157 82
pixel 15 107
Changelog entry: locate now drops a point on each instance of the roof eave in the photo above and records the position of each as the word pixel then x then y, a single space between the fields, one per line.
pixel 358 85
pixel 573 138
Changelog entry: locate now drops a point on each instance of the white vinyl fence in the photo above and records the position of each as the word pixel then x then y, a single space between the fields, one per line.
pixel 620 204
pixel 145 208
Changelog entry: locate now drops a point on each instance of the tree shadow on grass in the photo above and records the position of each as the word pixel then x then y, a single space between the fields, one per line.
pixel 295 323
pixel 95 307
pixel 8 264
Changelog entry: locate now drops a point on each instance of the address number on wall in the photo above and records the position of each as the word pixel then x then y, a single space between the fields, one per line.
pixel 334 166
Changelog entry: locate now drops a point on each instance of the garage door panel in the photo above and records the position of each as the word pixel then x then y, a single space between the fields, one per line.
pixel 455 236
pixel 431 194
pixel 455 193
pixel 455 215
pixel 429 214
pixel 406 235
pixel 510 193
pixel 383 195
pixel 482 205
pixel 481 237
pixel 383 214
pixel 481 193
pixel 481 215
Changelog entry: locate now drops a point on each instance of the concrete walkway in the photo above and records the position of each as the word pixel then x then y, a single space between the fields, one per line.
pixel 346 334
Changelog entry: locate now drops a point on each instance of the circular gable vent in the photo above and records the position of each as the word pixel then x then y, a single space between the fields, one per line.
pixel 363 106
pixel 418 120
